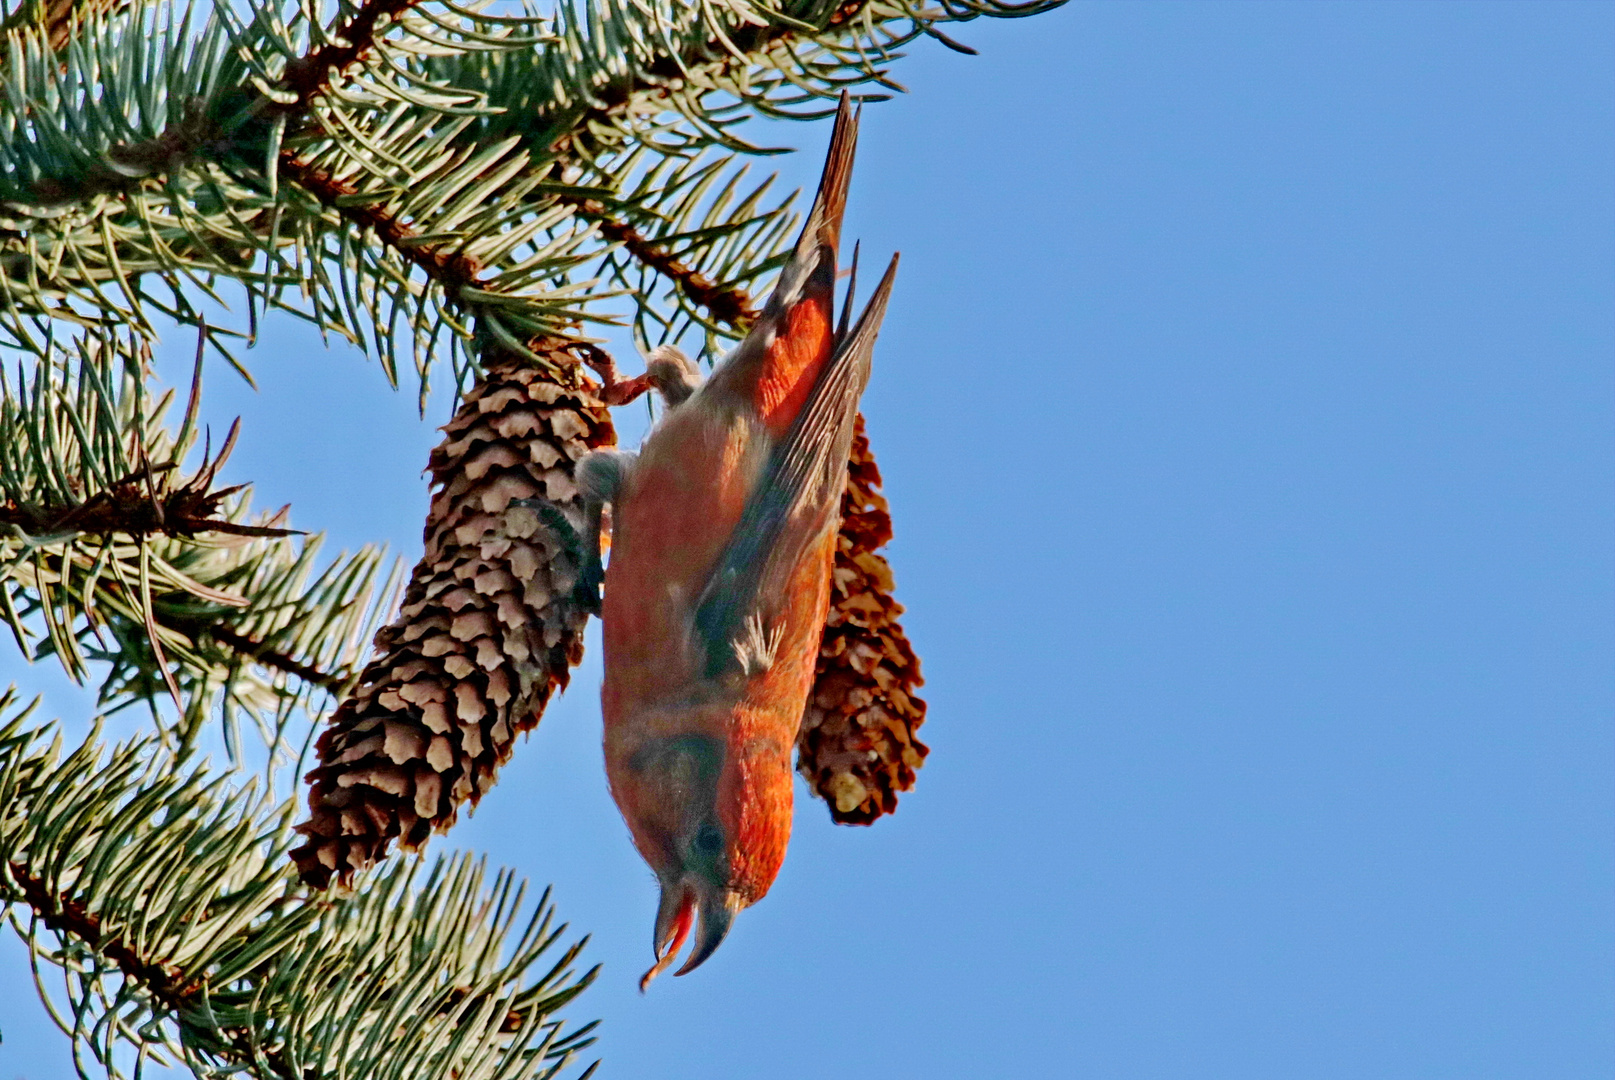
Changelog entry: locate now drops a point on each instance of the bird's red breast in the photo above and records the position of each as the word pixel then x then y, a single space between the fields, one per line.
pixel 676 512
pixel 757 806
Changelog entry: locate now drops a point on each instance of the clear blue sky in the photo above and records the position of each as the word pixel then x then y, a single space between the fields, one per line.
pixel 1247 406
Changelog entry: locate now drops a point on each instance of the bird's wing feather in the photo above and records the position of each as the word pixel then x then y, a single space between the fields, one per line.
pixel 773 368
pixel 801 477
pixel 812 263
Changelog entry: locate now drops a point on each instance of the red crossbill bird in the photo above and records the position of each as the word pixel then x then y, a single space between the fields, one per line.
pixel 723 532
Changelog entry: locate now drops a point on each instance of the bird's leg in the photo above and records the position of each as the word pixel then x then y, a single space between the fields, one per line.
pixel 672 373
pixel 667 371
pixel 599 476
pixel 614 390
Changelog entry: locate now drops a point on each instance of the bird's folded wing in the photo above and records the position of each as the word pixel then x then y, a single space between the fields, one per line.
pixel 800 485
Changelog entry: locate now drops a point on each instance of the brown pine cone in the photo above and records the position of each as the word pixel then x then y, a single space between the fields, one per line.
pixel 490 626
pixel 857 747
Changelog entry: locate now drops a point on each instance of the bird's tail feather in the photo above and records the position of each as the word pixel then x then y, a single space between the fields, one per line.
pixel 823 226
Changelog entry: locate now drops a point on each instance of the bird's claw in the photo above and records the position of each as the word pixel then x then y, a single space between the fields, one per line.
pixel 614 389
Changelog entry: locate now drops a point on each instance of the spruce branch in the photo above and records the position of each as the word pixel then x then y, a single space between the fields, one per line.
pixel 572 111
pixel 105 556
pixel 671 85
pixel 342 47
pixel 230 652
pixel 225 634
pixel 193 195
pixel 449 269
pixel 740 45
pixel 69 916
pixel 140 504
pixel 217 627
pixel 730 306
pixel 57 19
pixel 303 79
pixel 167 910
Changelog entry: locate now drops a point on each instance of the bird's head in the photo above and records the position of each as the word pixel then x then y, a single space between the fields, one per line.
pixel 703 817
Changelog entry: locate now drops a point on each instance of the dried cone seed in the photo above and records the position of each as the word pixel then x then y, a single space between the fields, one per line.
pixel 856 746
pixel 489 628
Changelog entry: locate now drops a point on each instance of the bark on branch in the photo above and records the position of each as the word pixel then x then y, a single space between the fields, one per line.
pixel 729 306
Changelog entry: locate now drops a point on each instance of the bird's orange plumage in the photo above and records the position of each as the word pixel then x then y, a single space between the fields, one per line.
pixel 757 810
pixel 792 363
pixel 723 537
pixel 675 514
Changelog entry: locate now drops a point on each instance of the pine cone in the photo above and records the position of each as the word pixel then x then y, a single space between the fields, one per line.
pixel 490 626
pixel 856 746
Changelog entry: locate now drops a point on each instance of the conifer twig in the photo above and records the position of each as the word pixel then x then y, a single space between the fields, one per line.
pixel 448 269
pixel 225 634
pixel 165 981
pixel 345 46
pixel 669 70
pixel 126 507
pixel 730 306
pixel 306 77
pixel 66 915
pixel 57 18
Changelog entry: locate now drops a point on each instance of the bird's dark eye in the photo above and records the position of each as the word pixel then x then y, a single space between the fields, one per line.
pixel 709 840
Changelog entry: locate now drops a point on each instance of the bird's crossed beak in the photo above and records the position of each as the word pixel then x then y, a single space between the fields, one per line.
pixel 682 902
